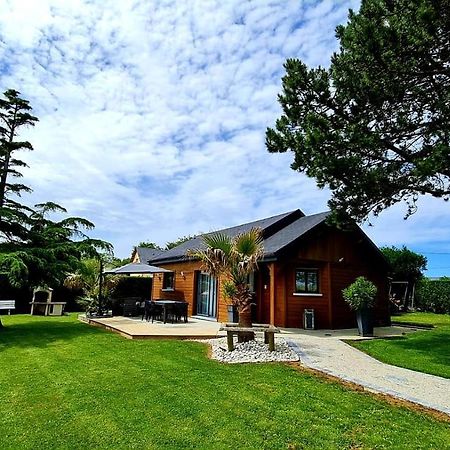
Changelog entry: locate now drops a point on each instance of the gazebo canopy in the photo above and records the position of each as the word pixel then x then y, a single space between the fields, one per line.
pixel 136 268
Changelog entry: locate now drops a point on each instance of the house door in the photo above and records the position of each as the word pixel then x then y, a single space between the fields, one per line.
pixel 206 295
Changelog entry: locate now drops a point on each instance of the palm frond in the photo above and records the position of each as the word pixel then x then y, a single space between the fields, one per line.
pixel 213 260
pixel 219 241
pixel 249 243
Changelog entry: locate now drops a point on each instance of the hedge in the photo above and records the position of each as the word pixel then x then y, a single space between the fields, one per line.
pixel 132 287
pixel 433 295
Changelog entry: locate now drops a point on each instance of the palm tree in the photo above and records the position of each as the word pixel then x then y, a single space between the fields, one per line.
pixel 233 258
pixel 89 280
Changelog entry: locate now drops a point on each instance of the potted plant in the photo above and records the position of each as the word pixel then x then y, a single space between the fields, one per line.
pixel 229 292
pixel 360 296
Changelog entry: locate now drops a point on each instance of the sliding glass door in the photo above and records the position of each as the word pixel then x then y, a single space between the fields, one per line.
pixel 206 295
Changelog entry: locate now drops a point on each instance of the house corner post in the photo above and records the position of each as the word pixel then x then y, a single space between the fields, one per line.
pixel 272 293
pixel 330 295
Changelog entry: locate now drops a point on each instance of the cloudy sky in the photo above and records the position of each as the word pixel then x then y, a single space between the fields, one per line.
pixel 153 114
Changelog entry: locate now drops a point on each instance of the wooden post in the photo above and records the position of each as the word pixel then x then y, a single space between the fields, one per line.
pixel 272 293
pixel 271 337
pixel 230 341
pixel 330 296
pixel 285 300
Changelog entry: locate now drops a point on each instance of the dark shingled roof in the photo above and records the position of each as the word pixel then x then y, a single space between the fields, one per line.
pixel 278 232
pixel 146 254
pixel 292 232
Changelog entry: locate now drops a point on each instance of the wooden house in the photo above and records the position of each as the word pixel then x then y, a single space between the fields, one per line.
pixel 306 265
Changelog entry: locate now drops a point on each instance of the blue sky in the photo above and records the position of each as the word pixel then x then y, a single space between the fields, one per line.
pixel 153 114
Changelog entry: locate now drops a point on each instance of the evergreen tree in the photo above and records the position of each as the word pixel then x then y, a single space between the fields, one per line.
pixel 14 115
pixel 35 248
pixel 375 126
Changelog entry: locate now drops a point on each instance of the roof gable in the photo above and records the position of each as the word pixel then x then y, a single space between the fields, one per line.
pixel 289 234
pixel 280 234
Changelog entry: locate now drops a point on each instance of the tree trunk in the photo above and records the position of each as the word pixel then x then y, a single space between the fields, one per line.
pixel 245 321
pixel 5 168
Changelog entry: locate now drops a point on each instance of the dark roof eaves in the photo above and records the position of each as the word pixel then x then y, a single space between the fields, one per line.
pixel 173 259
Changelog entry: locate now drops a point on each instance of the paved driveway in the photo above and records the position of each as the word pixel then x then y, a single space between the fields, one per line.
pixel 326 352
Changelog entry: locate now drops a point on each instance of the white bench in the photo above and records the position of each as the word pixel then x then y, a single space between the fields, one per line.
pixel 8 304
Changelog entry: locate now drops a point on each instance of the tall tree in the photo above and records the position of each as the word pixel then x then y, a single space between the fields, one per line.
pixel 49 249
pixel 35 248
pixel 14 114
pixel 406 265
pixel 152 245
pixel 179 241
pixel 375 126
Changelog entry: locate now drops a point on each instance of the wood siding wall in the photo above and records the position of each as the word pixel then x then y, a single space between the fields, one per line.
pixel 289 307
pixel 340 258
pixel 185 287
pixel 349 255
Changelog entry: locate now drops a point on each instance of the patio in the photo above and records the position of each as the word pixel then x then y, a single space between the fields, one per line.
pixel 197 328
pixel 135 328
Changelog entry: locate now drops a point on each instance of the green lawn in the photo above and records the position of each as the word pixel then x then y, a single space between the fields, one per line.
pixel 64 384
pixel 426 351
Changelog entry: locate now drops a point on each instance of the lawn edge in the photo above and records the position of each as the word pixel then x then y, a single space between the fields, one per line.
pixel 391 400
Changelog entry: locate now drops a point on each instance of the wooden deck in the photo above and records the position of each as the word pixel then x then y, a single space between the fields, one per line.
pixel 135 328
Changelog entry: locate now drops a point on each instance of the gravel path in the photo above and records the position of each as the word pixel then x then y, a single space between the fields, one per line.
pixel 335 357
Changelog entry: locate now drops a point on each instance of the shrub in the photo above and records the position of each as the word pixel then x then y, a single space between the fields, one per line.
pixel 360 294
pixel 434 295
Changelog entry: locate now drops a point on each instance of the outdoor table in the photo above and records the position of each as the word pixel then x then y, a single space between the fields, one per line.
pixel 167 305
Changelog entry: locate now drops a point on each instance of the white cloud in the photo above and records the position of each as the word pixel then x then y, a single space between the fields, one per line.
pixel 153 113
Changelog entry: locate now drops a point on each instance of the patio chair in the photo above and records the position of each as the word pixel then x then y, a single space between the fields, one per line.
pixel 156 312
pixel 179 311
pixel 149 310
pixel 130 306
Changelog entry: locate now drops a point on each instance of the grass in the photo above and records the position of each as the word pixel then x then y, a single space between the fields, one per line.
pixel 67 385
pixel 426 351
pixel 424 318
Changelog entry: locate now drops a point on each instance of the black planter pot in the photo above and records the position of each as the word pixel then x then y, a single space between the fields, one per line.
pixel 364 318
pixel 233 315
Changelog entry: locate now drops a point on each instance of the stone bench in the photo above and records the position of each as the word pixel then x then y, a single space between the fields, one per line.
pixel 233 329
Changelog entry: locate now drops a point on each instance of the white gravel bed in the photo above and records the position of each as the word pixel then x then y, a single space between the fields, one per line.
pixel 251 352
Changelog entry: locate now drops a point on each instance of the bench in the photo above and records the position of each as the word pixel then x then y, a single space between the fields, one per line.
pixel 233 329
pixel 8 304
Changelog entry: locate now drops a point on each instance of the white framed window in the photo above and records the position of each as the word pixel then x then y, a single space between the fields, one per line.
pixel 306 281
